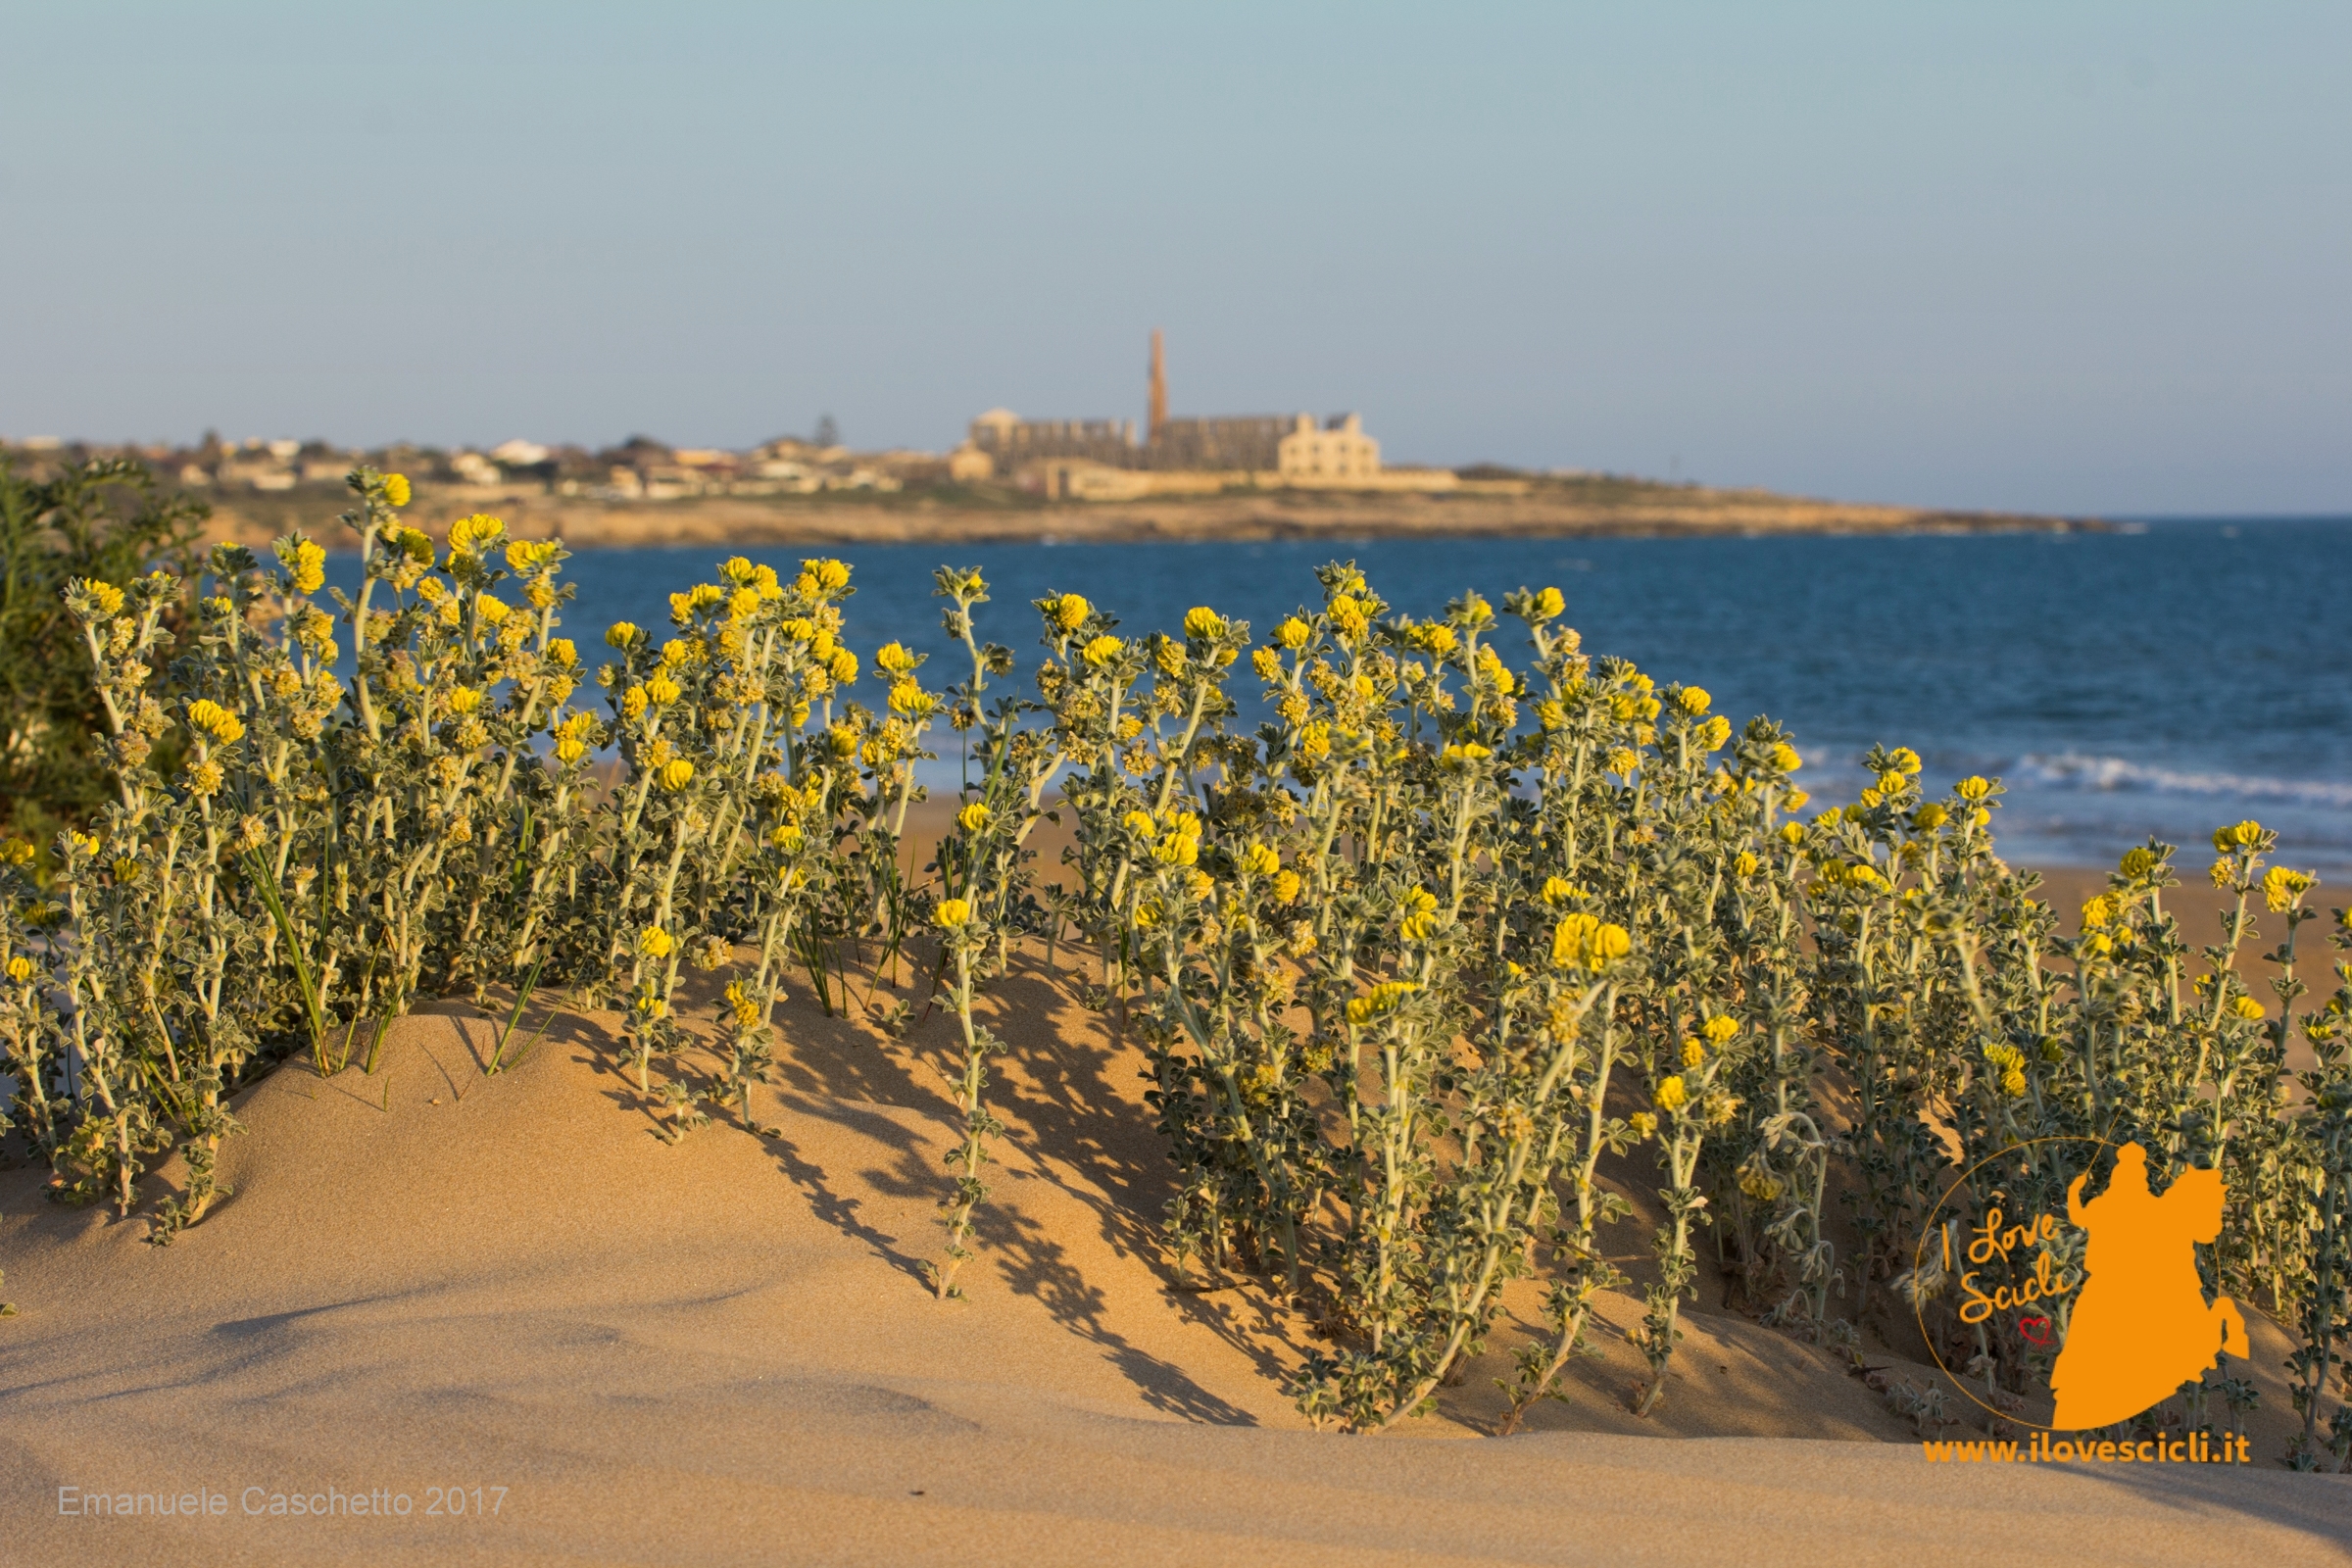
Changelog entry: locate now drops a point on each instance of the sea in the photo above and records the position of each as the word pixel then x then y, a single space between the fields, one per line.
pixel 2159 680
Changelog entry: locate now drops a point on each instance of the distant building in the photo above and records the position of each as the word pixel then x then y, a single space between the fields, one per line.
pixel 1011 441
pixel 1338 451
pixel 1068 457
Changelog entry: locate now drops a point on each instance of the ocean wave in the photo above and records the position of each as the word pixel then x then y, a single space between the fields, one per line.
pixel 2073 770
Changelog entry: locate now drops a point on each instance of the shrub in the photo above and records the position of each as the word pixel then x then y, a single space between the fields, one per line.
pixel 1468 915
pixel 102 522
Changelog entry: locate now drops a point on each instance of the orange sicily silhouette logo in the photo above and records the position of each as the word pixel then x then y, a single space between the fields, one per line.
pixel 2141 1325
pixel 2113 1289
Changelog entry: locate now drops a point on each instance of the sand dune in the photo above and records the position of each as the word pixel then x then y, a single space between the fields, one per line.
pixel 721 1352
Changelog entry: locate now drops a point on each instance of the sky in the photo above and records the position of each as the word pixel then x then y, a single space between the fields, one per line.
pixel 2083 258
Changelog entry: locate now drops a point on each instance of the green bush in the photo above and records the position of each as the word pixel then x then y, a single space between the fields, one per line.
pixel 102 520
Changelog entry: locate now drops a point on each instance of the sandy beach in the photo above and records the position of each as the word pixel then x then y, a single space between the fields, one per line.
pixel 722 1351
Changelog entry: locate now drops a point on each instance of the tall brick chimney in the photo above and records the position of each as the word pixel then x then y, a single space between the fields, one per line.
pixel 1159 388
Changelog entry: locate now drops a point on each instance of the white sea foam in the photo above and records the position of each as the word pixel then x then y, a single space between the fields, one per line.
pixel 2073 770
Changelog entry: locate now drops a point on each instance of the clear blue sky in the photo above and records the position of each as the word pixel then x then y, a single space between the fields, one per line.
pixel 2085 257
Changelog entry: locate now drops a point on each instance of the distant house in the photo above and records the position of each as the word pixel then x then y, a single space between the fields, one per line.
pixel 474 469
pixel 1338 451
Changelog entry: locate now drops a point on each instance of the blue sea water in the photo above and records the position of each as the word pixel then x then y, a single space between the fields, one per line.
pixel 2163 679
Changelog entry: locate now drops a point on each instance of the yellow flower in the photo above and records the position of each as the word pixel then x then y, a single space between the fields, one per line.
pixel 1719 1028
pixel 2280 887
pixel 563 651
pixel 1101 651
pixel 1744 866
pixel 1905 761
pixel 951 913
pixel 1142 824
pixel 1349 619
pixel 893 658
pixel 1548 604
pixel 2248 1009
pixel 1642 1123
pixel 2244 835
pixel 677 774
pixel 396 489
pixel 1785 757
pixel 2097 912
pixel 1572 939
pixel 1382 999
pixel 1623 760
pixel 309 568
pixel 1796 800
pixel 1491 665
pixel 223 726
pixel 843 666
pixel 465 700
pixel 1286 887
pixel 973 818
pixel 811 583
pixel 1671 1094
pixel 474 534
pixel 1694 1053
pixel 1292 633
pixel 655 943
pixel 1792 834
pixel 1070 613
pixel 1694 700
pixel 1467 753
pixel 632 703
pixel 1972 789
pixel 1928 817
pixel 2136 864
pixel 492 611
pixel 620 634
pixel 1259 860
pixel 19 969
pixel 1177 848
pixel 905 697
pixel 661 690
pixel 528 555
pixel 569 750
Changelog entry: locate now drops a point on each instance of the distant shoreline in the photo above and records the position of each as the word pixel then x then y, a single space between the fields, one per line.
pixel 1541 511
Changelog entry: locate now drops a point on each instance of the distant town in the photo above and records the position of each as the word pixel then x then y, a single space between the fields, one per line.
pixel 1167 476
pixel 1059 460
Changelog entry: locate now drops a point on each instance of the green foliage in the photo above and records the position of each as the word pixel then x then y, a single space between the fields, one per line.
pixel 101 520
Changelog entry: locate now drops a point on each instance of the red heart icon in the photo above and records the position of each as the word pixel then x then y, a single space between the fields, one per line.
pixel 2035 1330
